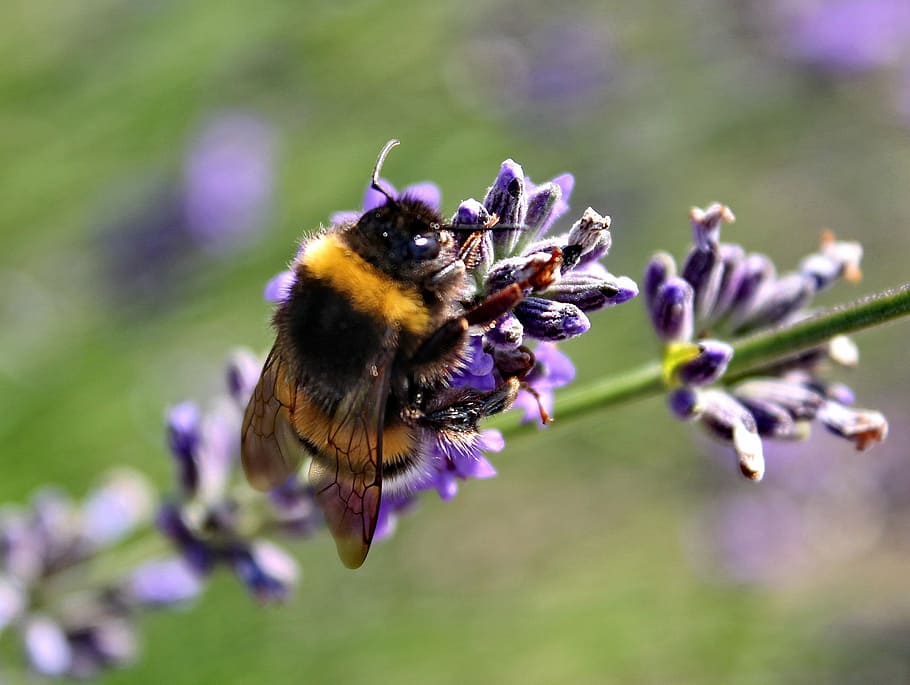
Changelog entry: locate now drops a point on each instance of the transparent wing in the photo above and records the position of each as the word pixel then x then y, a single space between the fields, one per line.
pixel 269 448
pixel 347 475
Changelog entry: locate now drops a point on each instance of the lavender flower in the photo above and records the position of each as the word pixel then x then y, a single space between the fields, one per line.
pixel 544 69
pixel 69 628
pixel 228 177
pixel 817 513
pixel 215 520
pixel 521 213
pixel 841 39
pixel 848 35
pixel 723 289
pixel 222 197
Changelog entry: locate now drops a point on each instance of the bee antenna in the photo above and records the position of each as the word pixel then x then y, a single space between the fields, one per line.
pixel 374 179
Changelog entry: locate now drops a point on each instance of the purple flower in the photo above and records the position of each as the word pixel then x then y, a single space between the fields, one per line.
pixel 162 582
pixel 48 650
pixel 817 512
pixel 46 548
pixel 219 202
pixel 212 522
pixel 848 35
pixel 267 570
pixel 120 505
pixel 228 178
pixel 544 70
pixel 454 462
pixel 725 290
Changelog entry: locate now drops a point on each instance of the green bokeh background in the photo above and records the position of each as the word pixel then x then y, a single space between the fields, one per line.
pixel 573 565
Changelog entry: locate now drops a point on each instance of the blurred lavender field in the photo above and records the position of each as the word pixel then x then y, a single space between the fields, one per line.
pixel 162 160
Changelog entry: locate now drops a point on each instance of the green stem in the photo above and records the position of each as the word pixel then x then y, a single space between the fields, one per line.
pixel 751 353
pixel 767 347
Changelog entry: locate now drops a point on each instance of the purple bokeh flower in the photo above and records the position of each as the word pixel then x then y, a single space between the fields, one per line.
pixel 162 582
pixel 222 198
pixel 228 178
pixel 543 68
pixel 847 36
pixel 46 548
pixel 723 290
pixel 212 521
pixel 864 42
pixel 815 513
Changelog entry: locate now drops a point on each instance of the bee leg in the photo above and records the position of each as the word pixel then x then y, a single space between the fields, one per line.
pixel 537 275
pixel 445 340
pixel 445 344
pixel 458 410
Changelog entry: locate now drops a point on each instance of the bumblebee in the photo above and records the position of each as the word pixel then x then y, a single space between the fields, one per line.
pixel 367 340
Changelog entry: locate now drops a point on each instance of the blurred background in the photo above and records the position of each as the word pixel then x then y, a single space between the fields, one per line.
pixel 160 160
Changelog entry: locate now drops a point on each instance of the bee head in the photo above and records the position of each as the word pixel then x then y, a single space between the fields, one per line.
pixel 404 237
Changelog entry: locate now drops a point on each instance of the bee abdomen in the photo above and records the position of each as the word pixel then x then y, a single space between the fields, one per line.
pixel 331 343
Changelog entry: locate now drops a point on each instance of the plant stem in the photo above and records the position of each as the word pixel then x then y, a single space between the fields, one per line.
pixel 770 346
pixel 749 354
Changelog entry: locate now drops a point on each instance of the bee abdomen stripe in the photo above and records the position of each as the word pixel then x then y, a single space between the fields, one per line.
pixel 317 432
pixel 368 289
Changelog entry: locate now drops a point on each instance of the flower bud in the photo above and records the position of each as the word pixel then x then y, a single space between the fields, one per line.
pixel 672 311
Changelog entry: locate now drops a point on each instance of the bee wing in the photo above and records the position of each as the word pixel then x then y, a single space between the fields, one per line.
pixel 269 447
pixel 348 478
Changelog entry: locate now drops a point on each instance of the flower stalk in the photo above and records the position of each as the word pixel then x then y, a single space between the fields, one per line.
pixel 749 355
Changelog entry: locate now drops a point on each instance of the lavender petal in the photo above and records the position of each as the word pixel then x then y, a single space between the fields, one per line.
pixel 591 293
pixel 426 192
pixel 777 301
pixel 672 312
pixel 551 321
pixel 162 582
pixel 731 422
pixel 267 570
pixel 13 600
pixel 107 642
pixel 732 273
pixel 541 203
pixel 46 646
pixel 506 332
pixel 506 199
pixel 683 402
pixel 243 370
pixel 708 366
pixel 706 224
pixel 279 287
pixel 123 502
pixel 661 267
pixel 228 180
pixel 552 368
pixel 373 198
pixel 863 427
pixel 703 270
pixel 757 271
pixel 346 217
pixel 799 401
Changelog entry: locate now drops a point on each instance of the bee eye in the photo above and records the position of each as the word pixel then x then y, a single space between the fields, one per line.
pixel 424 246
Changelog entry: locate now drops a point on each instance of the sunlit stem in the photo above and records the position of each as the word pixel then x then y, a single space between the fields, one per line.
pixel 751 353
